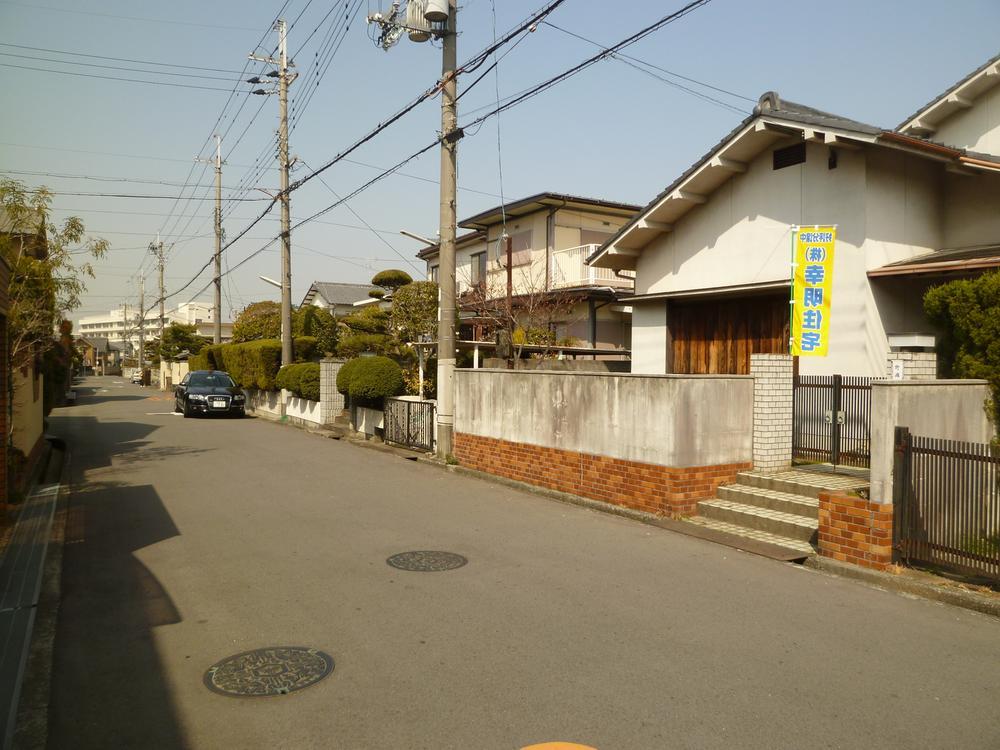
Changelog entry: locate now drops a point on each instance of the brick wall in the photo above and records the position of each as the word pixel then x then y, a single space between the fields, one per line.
pixel 772 411
pixel 914 365
pixel 855 530
pixel 663 490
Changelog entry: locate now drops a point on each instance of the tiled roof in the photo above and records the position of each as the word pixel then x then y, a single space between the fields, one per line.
pixel 336 293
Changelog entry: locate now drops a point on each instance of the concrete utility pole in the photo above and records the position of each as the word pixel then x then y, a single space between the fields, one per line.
pixel 439 20
pixel 156 249
pixel 141 315
pixel 217 336
pixel 285 78
pixel 450 135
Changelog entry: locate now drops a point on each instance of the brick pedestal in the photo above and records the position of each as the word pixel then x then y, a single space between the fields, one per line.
pixel 855 530
pixel 662 490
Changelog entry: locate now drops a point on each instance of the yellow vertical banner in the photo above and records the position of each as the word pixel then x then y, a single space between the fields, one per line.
pixel 812 282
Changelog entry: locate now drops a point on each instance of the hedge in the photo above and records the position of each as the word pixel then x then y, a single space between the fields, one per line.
pixel 253 364
pixel 370 379
pixel 301 379
pixel 305 348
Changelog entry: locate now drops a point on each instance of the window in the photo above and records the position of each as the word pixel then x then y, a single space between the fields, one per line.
pixel 787 157
pixel 434 274
pixel 478 269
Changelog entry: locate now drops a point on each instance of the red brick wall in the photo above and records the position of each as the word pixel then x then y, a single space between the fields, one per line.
pixel 855 530
pixel 648 487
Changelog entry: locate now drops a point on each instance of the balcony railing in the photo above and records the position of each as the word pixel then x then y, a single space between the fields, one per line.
pixel 567 269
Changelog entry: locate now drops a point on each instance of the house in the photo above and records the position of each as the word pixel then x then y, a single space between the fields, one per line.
pixel 336 297
pixel 100 355
pixel 913 206
pixel 551 235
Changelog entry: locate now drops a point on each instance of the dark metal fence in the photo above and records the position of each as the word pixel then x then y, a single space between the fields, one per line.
pixel 946 500
pixel 410 423
pixel 832 419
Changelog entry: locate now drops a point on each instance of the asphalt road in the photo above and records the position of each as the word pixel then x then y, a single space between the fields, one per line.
pixel 191 540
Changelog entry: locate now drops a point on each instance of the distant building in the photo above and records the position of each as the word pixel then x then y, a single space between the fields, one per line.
pixel 336 297
pixel 121 326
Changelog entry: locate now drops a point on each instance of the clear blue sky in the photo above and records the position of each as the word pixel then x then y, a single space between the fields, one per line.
pixel 610 132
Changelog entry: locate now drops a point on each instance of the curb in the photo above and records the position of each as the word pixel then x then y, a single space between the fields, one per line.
pixel 906 584
pixel 32 723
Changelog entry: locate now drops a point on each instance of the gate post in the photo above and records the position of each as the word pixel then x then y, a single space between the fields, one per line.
pixel 773 407
pixel 901 460
pixel 838 382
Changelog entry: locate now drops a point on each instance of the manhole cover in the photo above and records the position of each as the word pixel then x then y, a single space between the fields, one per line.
pixel 427 561
pixel 277 670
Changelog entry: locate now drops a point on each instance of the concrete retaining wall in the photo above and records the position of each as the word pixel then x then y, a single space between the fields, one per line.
pixel 670 420
pixel 949 409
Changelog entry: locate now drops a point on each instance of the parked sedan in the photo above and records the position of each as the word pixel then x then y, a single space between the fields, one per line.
pixel 209 392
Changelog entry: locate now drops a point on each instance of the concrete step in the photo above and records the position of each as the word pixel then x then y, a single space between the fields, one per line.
pixel 760 519
pixel 734 536
pixel 801 482
pixel 786 502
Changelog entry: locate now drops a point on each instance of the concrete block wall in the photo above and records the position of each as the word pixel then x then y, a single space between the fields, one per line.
pixel 773 411
pixel 330 399
pixel 912 366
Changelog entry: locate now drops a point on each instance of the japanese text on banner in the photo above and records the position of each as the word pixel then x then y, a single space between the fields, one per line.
pixel 813 281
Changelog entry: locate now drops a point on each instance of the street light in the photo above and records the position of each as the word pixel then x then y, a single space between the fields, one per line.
pixel 272 282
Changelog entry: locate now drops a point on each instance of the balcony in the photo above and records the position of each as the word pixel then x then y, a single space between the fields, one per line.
pixel 568 270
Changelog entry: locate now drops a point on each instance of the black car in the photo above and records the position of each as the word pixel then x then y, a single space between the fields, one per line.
pixel 209 392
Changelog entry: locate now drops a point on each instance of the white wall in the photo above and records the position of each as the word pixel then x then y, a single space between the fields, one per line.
pixel 976 128
pixel 672 420
pixel 649 338
pixel 948 409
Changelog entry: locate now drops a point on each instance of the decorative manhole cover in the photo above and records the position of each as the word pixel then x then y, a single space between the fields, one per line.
pixel 277 670
pixel 427 561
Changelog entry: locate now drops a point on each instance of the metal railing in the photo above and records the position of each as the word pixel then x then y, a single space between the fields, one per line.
pixel 832 419
pixel 409 423
pixel 946 503
pixel 568 268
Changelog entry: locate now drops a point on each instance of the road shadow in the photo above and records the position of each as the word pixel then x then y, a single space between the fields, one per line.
pixel 98 443
pixel 108 685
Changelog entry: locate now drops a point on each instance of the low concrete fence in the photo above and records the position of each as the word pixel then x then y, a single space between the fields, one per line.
pixel 656 443
pixel 285 404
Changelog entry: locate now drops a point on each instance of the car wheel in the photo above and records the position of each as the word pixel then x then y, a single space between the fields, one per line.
pixel 188 412
pixel 177 409
pixel 240 413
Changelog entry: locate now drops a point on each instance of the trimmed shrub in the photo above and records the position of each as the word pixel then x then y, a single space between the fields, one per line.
pixel 306 348
pixel 345 375
pixel 253 364
pixel 375 378
pixel 302 379
pixel 309 381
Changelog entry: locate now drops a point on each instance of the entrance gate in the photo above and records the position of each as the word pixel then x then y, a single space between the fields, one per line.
pixel 832 419
pixel 410 423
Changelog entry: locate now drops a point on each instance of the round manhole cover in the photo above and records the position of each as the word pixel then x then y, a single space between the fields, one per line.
pixel 277 670
pixel 427 561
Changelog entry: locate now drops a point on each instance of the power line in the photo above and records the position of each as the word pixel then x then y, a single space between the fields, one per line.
pixel 183 74
pixel 117 59
pixel 96 178
pixel 114 78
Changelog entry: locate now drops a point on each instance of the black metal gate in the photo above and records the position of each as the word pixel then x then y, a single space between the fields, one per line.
pixel 946 501
pixel 832 419
pixel 410 423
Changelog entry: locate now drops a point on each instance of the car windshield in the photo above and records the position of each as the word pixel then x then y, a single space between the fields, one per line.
pixel 219 379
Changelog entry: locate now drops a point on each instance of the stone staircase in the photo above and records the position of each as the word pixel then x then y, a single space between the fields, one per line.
pixel 780 509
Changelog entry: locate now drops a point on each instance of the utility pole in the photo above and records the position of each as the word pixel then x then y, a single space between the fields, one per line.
pixel 285 78
pixel 450 135
pixel 217 337
pixel 439 19
pixel 141 315
pixel 156 249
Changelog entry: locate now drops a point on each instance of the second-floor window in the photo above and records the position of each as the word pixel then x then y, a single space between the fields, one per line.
pixel 434 274
pixel 478 269
pixel 520 248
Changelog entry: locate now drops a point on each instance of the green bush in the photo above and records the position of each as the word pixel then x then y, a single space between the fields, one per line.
pixel 309 381
pixel 302 379
pixel 306 348
pixel 375 378
pixel 253 364
pixel 345 375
